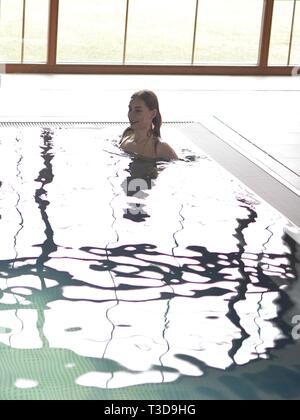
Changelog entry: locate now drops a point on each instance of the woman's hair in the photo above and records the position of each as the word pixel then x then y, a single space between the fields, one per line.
pixel 151 102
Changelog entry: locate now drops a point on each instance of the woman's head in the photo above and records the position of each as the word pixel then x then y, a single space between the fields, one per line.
pixel 144 112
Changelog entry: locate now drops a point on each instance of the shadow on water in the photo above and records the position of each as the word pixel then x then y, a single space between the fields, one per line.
pixel 133 263
pixel 142 173
pixel 45 177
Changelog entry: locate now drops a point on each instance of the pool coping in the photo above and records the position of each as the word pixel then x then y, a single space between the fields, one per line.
pixel 250 171
pixel 254 152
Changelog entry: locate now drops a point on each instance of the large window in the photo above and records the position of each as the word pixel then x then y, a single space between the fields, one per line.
pixel 24 31
pixel 245 34
pixel 91 31
pixel 228 31
pixel 285 40
pixel 160 31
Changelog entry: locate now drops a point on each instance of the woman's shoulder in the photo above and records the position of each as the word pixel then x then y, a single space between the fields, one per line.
pixel 164 150
pixel 127 132
pixel 125 136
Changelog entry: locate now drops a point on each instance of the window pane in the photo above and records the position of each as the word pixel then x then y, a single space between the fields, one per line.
pixel 281 30
pixel 36 31
pixel 11 30
pixel 91 31
pixel 34 48
pixel 229 31
pixel 160 31
pixel 295 55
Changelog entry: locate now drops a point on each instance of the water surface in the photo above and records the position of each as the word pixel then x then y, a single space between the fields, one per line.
pixel 134 279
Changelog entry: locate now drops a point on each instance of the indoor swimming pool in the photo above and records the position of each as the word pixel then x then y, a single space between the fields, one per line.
pixel 127 278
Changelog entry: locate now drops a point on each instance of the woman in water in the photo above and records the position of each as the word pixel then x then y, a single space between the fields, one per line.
pixel 143 135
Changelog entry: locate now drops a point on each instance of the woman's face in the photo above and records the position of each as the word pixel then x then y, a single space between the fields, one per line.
pixel 139 115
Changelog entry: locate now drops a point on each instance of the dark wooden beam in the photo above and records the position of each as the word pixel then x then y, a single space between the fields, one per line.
pixel 52 33
pixel 148 69
pixel 266 33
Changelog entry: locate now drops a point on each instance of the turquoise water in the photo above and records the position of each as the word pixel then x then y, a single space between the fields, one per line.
pixel 186 289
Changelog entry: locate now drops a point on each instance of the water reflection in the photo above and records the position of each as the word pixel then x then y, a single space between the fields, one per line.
pixel 154 317
pixel 44 178
pixel 142 172
pixel 114 314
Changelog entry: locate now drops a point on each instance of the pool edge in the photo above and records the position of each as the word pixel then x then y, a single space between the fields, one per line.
pixel 256 177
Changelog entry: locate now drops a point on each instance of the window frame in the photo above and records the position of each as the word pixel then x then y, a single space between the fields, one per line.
pixel 262 67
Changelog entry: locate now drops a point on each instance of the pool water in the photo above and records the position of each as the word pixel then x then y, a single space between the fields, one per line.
pixel 126 278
